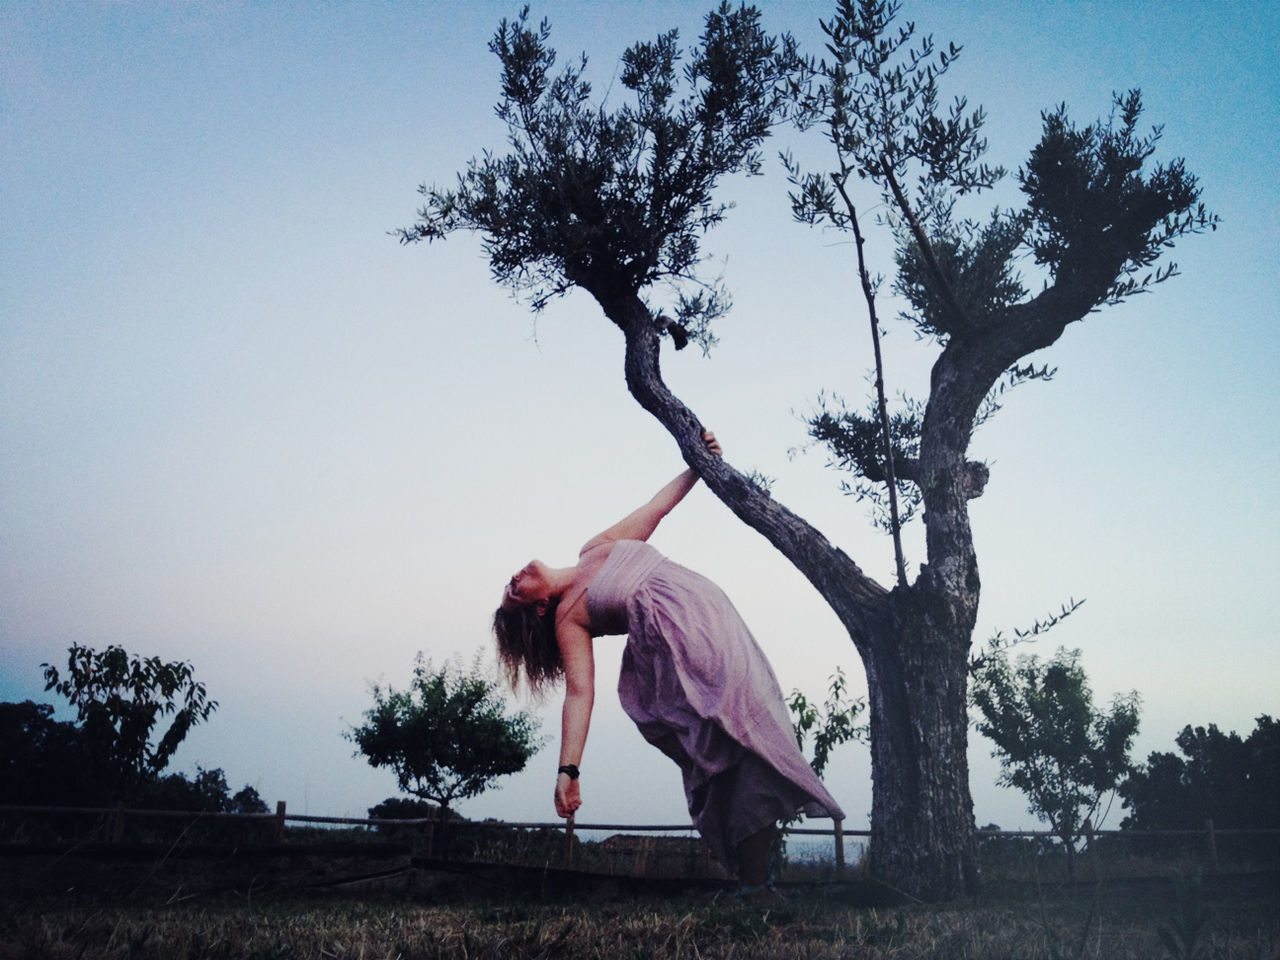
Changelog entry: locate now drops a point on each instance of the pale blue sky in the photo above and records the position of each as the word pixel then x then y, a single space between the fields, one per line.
pixel 241 426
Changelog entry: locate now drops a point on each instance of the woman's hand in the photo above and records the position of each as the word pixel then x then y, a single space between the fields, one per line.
pixel 568 796
pixel 712 443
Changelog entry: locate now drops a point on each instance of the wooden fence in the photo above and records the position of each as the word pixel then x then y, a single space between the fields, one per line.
pixel 116 818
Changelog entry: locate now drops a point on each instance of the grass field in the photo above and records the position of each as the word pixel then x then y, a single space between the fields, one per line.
pixel 1222 917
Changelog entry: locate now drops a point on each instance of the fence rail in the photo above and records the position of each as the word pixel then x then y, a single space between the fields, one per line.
pixel 281 814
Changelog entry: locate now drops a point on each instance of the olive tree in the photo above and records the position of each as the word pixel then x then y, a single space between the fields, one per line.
pixel 616 201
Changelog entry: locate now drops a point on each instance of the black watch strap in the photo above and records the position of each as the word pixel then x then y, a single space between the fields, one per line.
pixel 571 769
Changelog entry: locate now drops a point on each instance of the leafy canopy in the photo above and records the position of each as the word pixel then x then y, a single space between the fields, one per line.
pixel 120 699
pixel 1096 219
pixel 616 199
pixel 47 762
pixel 1093 217
pixel 207 792
pixel 448 736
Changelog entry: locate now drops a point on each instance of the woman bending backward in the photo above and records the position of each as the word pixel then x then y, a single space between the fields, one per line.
pixel 693 680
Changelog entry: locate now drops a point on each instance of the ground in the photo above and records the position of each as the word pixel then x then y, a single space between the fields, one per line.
pixel 417 910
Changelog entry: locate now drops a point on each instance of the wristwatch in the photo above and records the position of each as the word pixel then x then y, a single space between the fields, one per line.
pixel 571 769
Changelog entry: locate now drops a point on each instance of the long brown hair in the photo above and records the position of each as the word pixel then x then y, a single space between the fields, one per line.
pixel 527 648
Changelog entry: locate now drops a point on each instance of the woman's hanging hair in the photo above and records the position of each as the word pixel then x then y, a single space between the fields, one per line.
pixel 527 648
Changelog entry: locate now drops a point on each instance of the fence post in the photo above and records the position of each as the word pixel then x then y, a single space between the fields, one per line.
pixel 568 842
pixel 280 808
pixel 431 832
pixel 1090 852
pixel 117 824
pixel 1213 845
pixel 839 828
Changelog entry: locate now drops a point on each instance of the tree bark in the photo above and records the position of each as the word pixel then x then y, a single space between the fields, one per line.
pixel 922 827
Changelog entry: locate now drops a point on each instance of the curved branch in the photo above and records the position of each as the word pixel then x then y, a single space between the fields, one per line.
pixel 858 600
pixel 1038 323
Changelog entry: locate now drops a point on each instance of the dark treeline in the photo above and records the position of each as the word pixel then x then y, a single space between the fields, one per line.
pixel 1219 776
pixel 48 762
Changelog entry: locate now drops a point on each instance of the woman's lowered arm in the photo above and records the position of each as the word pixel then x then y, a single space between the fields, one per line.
pixel 575 717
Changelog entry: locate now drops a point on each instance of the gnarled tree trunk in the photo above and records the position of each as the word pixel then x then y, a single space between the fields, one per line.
pixel 922 826
pixel 914 644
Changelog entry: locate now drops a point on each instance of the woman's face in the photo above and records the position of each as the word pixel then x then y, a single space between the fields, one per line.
pixel 529 585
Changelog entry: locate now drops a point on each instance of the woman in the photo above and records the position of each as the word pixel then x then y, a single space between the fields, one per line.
pixel 693 680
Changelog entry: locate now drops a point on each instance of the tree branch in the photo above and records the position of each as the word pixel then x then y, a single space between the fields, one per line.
pixel 926 249
pixel 857 599
pixel 886 435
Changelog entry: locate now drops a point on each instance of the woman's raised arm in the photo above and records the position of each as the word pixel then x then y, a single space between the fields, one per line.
pixel 640 523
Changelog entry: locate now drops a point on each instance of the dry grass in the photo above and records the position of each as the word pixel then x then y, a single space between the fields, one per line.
pixel 1112 922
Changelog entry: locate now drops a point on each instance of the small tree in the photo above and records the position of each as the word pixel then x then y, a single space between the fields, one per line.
pixel 830 725
pixel 447 737
pixel 836 722
pixel 119 700
pixel 1054 746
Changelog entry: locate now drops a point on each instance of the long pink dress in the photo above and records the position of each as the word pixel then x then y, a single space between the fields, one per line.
pixel 700 689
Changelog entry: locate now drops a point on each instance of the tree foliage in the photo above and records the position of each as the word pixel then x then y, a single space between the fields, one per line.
pixel 616 200
pixel 1093 216
pixel 403 808
pixel 1094 219
pixel 1052 743
pixel 448 736
pixel 120 699
pixel 1220 777
pixel 206 792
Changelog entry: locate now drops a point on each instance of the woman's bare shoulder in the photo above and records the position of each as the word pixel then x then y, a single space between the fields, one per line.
pixel 573 607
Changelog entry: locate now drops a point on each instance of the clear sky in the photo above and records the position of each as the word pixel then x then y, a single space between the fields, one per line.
pixel 241 426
